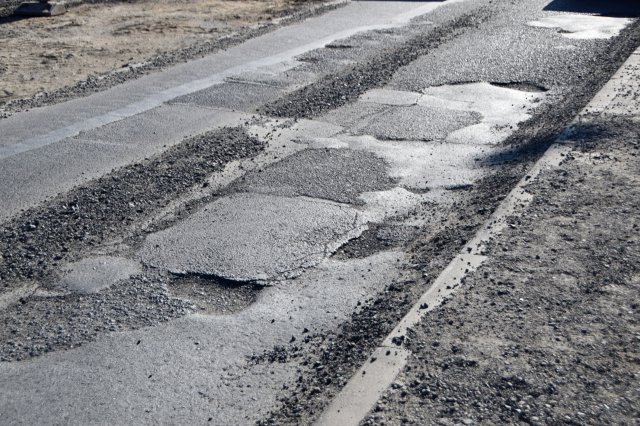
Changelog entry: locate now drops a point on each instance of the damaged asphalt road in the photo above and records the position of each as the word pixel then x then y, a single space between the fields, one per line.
pixel 242 274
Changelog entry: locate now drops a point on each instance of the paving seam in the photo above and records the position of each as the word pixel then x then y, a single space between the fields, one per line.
pixel 370 381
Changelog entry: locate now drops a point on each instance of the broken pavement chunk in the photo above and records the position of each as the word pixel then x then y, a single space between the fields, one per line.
pixel 253 237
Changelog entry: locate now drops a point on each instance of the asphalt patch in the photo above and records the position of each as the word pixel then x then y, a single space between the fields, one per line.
pixel 417 123
pixel 339 175
pixel 43 238
pixel 252 237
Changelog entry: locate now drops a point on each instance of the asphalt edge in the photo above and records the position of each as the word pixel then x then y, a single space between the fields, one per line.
pixel 161 61
pixel 370 381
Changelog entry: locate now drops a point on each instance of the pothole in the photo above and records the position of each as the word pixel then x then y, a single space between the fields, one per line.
pixel 584 27
pixel 523 86
pixel 459 187
pixel 213 295
pixel 379 237
pixel 419 191
pixel 308 59
pixel 339 46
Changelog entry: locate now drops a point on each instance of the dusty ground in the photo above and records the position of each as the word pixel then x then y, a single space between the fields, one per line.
pixel 47 54
pixel 547 331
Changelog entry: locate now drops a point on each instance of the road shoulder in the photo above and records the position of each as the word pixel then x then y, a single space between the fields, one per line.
pixel 545 331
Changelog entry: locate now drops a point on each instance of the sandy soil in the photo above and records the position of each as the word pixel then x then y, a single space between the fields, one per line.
pixel 46 54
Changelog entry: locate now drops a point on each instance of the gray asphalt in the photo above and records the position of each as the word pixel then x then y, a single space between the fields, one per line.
pixel 142 320
pixel 42 134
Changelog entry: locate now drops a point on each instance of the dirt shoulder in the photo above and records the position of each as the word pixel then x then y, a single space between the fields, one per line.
pixel 47 56
pixel 546 332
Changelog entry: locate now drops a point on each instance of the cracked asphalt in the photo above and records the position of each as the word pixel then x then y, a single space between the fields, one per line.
pixel 225 241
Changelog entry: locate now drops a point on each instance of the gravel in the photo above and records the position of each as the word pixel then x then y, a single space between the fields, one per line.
pixel 35 243
pixel 544 332
pixel 41 323
pixel 336 90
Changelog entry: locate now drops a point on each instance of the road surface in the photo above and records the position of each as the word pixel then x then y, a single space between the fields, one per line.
pixel 227 241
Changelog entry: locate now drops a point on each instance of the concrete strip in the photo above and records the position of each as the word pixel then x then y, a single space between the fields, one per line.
pixel 367 385
pixel 516 200
pixel 630 66
pixel 360 394
pixel 443 287
pixel 622 82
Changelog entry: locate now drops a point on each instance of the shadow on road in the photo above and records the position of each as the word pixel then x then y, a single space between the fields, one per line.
pixel 11 18
pixel 618 8
pixel 583 134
